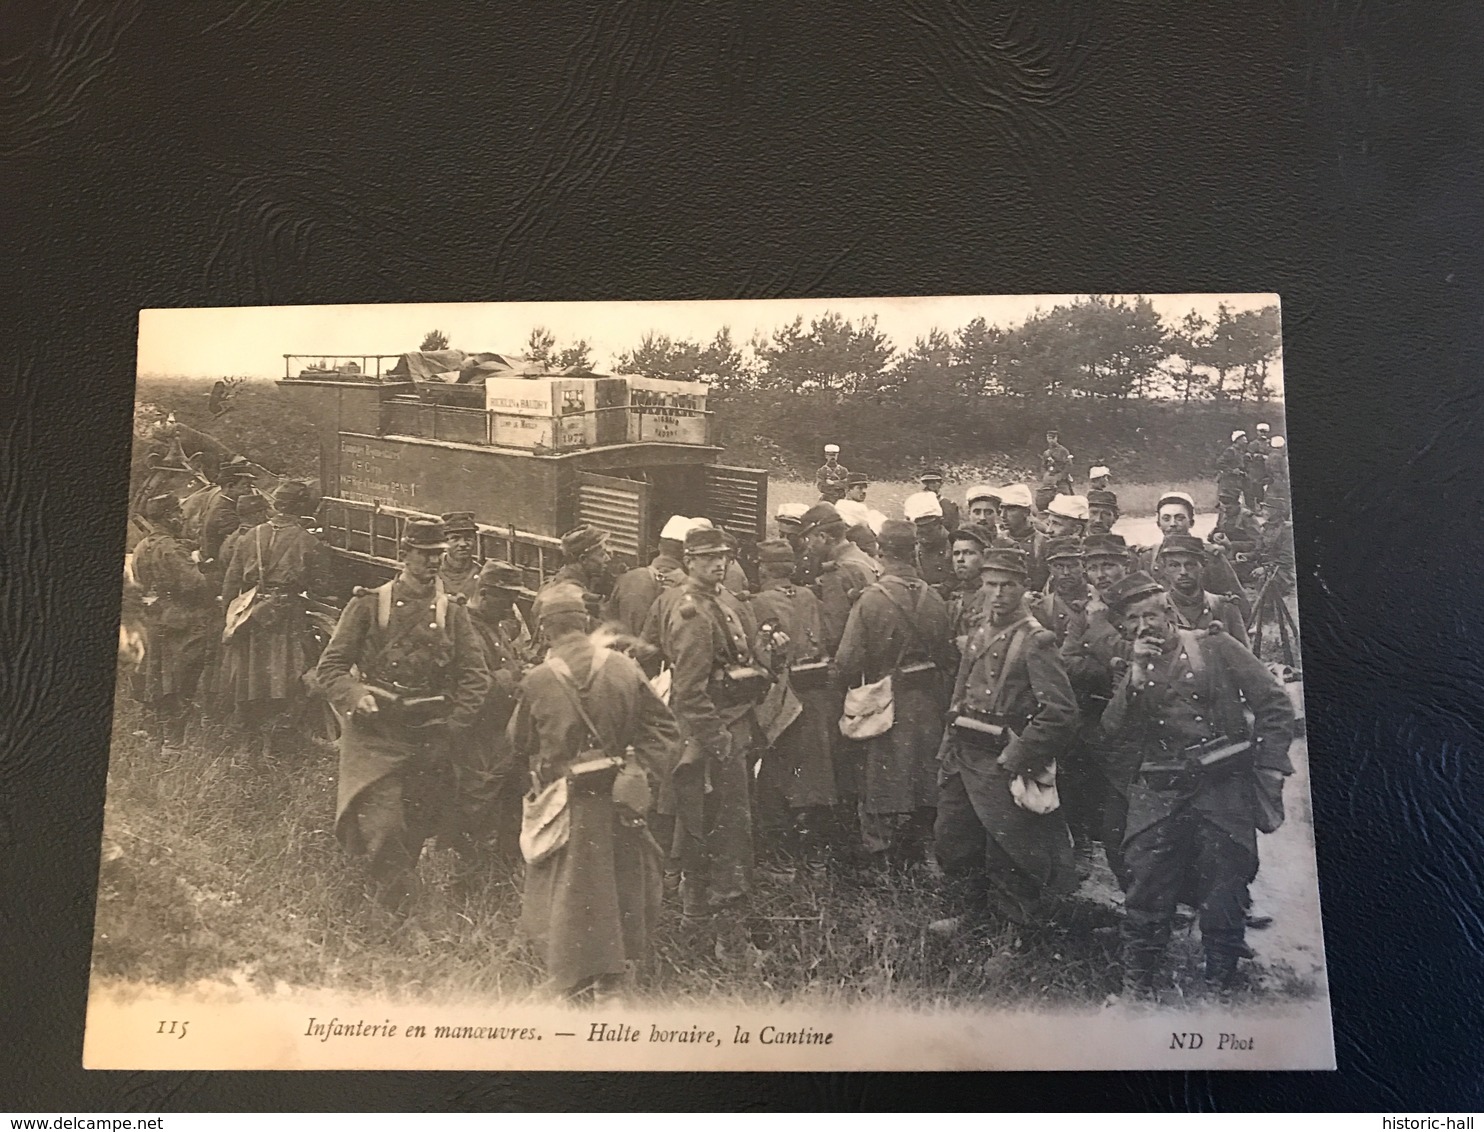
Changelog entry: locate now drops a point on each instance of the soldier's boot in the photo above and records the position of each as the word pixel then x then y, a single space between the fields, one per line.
pixel 1221 969
pixel 1146 937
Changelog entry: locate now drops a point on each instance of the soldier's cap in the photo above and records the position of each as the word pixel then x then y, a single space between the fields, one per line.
pixel 920 505
pixel 1016 495
pixel 1063 548
pixel 1176 497
pixel 855 478
pixel 579 540
pixel 1182 544
pixel 931 474
pixel 977 532
pixel 831 449
pixel 1100 498
pixel 897 537
pixel 1237 434
pixel 565 598
pixel 497 575
pixel 791 512
pixel 1052 432
pixel 293 498
pixel 1100 470
pixel 982 491
pixel 705 540
pixel 1131 588
pixel 729 538
pixel 1069 507
pixel 237 468
pixel 251 503
pixel 1006 559
pixel 832 492
pixel 1228 494
pixel 820 515
pixel 1104 546
pixel 1276 502
pixel 424 534
pixel 1277 442
pixel 1262 428
pixel 677 527
pixel 161 507
pixel 864 537
pixel 460 522
pixel 775 551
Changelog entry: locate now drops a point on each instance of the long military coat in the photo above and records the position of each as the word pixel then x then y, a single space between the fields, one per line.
pixel 636 591
pixel 592 905
pixel 482 763
pixel 1208 607
pixel 900 769
pixel 799 763
pixel 179 610
pixel 846 573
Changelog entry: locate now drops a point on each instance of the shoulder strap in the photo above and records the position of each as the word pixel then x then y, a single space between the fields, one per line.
pixel 383 605
pixel 908 615
pixel 1191 639
pixel 569 685
pixel 1012 653
pixel 1048 606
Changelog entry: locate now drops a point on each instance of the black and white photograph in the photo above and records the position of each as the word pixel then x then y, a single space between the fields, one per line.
pixel 865 683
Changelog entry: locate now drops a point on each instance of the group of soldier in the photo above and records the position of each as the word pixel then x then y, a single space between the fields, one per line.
pixel 985 694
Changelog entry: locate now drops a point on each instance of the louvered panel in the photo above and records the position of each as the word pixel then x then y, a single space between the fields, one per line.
pixel 617 506
pixel 738 498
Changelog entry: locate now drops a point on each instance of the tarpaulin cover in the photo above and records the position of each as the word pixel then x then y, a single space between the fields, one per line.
pixel 457 366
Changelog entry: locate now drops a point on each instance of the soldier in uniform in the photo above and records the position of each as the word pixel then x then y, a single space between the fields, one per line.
pixel 899 628
pixel 1275 556
pixel 251 510
pixel 268 655
pixel 1016 527
pixel 1237 532
pixel 964 610
pixel 637 590
pixel 1182 562
pixel 932 480
pixel 933 558
pixel 1231 465
pixel 196 506
pixel 703 640
pixel 1098 479
pixel 983 504
pixel 1207 779
pixel 853 508
pixel 585 559
pixel 591 904
pixel 1062 607
pixel 1255 468
pixel 790 518
pixel 459 570
pixel 1175 514
pixel 832 472
pixel 1012 716
pixel 1056 471
pixel 845 569
pixel 179 611
pixel 219 518
pixel 406 672
pixel 485 812
pixel 1102 511
pixel 796 779
pixel 864 537
pixel 1278 477
pixel 1067 517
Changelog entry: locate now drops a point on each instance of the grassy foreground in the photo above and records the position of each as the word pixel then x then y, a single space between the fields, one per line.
pixel 220 867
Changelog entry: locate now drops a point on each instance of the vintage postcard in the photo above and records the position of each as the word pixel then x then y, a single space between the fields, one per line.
pixel 751 685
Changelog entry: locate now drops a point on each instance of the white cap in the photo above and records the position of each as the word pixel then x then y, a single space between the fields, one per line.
pixel 981 491
pixel 1100 470
pixel 831 448
pixel 852 512
pixel 922 505
pixel 1016 495
pixel 1176 497
pixel 1238 434
pixel 1262 428
pixel 875 520
pixel 1277 442
pixel 677 528
pixel 1069 507
pixel 701 523
pixel 794 511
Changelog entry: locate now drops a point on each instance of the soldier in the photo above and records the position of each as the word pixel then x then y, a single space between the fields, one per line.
pixel 1255 468
pixel 406 673
pixel 1182 563
pixel 179 611
pixel 1206 782
pixel 964 609
pixel 1067 517
pixel 1237 532
pixel 1056 471
pixel 1015 513
pixel 1012 717
pixel 864 537
pixel 585 559
pixel 790 522
pixel 485 812
pixel 251 510
pixel 270 651
pixel 983 503
pixel 845 572
pixel 933 559
pixel 1061 608
pixel 1231 465
pixel 1102 512
pixel 637 590
pixel 853 508
pixel 219 517
pixel 932 480
pixel 1275 557
pixel 899 628
pixel 197 505
pixel 588 714
pixel 1098 479
pixel 1278 479
pixel 735 580
pixel 833 472
pixel 796 779
pixel 1175 514
pixel 459 570
pixel 714 690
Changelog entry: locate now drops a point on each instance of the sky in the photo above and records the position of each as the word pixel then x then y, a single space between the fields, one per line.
pixel 251 341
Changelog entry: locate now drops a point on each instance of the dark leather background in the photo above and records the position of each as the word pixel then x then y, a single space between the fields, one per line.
pixel 226 152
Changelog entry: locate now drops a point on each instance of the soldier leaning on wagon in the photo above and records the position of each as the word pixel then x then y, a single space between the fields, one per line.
pixel 1012 716
pixel 485 812
pixel 899 628
pixel 795 782
pixel 636 591
pixel 983 505
pixel 1102 511
pixel 587 715
pixel 932 556
pixel 715 685
pixel 965 610
pixel 459 569
pixel 271 650
pixel 1016 528
pixel 179 611
pixel 1206 782
pixel 406 672
pixel 932 481
pixel 1182 561
pixel 1095 654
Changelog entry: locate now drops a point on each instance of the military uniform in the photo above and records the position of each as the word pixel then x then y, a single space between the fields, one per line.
pixel 1199 612
pixel 1219 574
pixel 395 776
pixel 1231 468
pixel 1061 614
pixel 829 474
pixel 463 582
pixel 179 612
pixel 1195 820
pixel 966 613
pixel 1242 534
pixel 1275 555
pixel 1255 470
pixel 636 591
pixel 1056 474
pixel 1033 546
pixel 847 572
